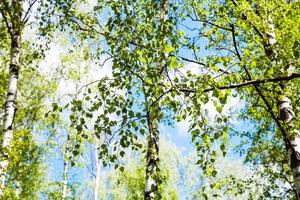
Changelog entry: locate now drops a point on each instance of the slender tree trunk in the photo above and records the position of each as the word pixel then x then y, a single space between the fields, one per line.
pixel 15 28
pixel 286 114
pixel 65 180
pixel 153 178
pixel 98 170
pixel 152 161
pixel 66 169
pixel 97 180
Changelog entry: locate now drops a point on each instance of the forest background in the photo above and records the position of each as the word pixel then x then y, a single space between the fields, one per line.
pixel 149 99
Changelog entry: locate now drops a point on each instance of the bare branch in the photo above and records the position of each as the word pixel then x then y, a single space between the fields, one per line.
pixel 93 82
pixel 235 43
pixel 257 81
pixel 247 83
pixel 193 61
pixel 210 23
pixel 27 16
pixel 203 64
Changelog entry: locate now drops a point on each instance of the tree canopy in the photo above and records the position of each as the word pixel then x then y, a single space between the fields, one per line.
pixel 168 99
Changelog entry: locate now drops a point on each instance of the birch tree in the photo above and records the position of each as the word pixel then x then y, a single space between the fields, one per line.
pixel 259 57
pixel 15 34
pixel 130 183
pixel 15 15
pixel 152 60
pixel 76 73
pixel 98 168
pixel 142 62
pixel 15 18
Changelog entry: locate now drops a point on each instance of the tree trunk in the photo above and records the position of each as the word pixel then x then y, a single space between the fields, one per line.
pixel 65 180
pixel 98 170
pixel 152 161
pixel 66 170
pixel 286 114
pixel 10 103
pixel 153 178
pixel 97 180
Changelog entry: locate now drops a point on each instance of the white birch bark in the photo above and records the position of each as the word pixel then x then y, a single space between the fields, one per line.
pixel 152 161
pixel 66 156
pixel 98 171
pixel 65 181
pixel 15 29
pixel 152 156
pixel 287 116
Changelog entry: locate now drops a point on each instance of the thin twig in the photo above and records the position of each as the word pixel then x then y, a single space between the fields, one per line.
pixel 26 16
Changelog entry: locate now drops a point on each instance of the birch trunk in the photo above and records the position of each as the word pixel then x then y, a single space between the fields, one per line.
pixel 97 180
pixel 286 115
pixel 66 170
pixel 98 170
pixel 152 161
pixel 65 181
pixel 15 29
pixel 152 156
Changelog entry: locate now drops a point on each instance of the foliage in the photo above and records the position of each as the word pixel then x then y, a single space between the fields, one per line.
pixel 238 40
pixel 52 191
pixel 239 48
pixel 129 183
pixel 26 171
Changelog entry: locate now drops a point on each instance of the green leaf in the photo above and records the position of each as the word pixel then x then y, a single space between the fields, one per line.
pixel 131 113
pixel 169 49
pixel 174 64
